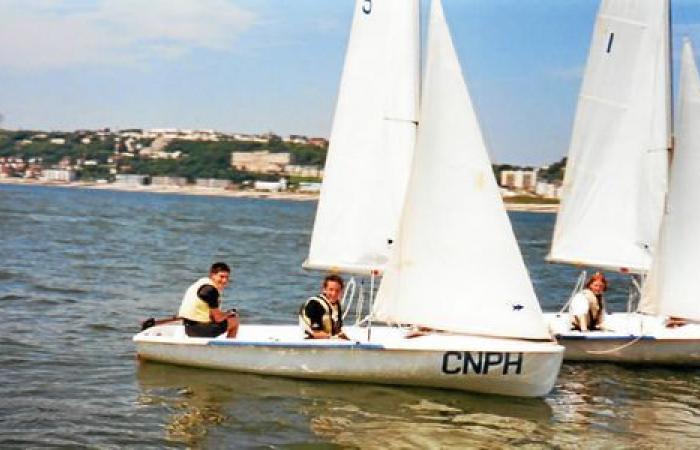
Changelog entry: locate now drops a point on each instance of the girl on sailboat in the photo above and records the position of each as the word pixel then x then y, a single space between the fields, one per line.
pixel 588 306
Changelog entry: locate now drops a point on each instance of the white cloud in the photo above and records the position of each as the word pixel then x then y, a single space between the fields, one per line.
pixel 41 34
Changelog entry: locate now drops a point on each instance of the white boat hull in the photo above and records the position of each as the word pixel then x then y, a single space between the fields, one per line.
pixel 486 365
pixel 631 338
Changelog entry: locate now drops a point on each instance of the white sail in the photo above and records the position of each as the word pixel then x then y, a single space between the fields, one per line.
pixel 456 265
pixel 372 140
pixel 671 287
pixel 615 178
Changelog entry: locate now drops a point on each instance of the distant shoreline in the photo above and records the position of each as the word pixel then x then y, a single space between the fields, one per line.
pixel 182 190
pixel 219 192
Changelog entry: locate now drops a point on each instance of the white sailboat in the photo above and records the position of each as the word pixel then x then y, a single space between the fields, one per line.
pixel 440 236
pixel 615 185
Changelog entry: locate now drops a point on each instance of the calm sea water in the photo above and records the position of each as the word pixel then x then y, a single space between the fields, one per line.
pixel 79 269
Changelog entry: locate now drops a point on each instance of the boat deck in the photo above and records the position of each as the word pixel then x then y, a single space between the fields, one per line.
pixel 623 326
pixel 380 337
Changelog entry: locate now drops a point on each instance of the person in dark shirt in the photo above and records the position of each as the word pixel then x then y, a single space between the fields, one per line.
pixel 321 316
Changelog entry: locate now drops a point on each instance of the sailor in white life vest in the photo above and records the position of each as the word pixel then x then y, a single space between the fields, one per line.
pixel 588 306
pixel 201 306
pixel 321 316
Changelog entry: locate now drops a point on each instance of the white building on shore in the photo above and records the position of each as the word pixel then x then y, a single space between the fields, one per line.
pixel 58 175
pixel 519 179
pixel 271 186
pixel 548 190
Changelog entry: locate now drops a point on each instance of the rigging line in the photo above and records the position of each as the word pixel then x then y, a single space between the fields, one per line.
pixel 611 350
pixel 349 292
pixel 623 346
pixel 577 288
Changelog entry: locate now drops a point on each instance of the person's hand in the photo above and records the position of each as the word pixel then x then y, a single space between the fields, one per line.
pixel 343 336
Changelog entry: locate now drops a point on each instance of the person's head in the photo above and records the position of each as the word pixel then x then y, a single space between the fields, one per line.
pixel 220 273
pixel 597 283
pixel 332 288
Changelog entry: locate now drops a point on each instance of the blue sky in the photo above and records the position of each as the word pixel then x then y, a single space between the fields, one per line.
pixel 274 65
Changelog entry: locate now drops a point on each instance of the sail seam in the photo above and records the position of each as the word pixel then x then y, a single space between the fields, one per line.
pixel 603 100
pixel 623 20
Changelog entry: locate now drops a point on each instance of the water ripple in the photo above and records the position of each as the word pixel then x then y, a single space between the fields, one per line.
pixel 85 267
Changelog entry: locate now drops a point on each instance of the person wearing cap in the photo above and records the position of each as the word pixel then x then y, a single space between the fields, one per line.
pixel 588 306
pixel 200 309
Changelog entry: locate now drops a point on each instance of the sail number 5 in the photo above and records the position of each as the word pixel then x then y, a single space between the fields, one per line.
pixel 367 6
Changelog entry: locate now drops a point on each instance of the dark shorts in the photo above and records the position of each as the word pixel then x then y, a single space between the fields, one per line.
pixel 199 329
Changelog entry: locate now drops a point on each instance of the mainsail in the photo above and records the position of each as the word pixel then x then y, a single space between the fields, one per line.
pixel 617 165
pixel 671 288
pixel 372 140
pixel 456 265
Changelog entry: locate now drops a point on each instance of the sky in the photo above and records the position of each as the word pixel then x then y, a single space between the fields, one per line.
pixel 255 66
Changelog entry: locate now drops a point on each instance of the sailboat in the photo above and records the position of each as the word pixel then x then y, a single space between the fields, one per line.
pixel 438 235
pixel 615 185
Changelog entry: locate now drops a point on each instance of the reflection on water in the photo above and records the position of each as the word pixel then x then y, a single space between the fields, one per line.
pixel 589 409
pixel 81 269
pixel 345 414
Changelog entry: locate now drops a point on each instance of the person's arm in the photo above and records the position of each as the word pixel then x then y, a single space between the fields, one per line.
pixel 218 315
pixel 210 295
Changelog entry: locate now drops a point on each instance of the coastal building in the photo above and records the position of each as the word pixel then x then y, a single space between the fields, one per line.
pixel 309 187
pixel 32 171
pixel 519 179
pixel 168 181
pixel 214 183
pixel 297 139
pixel 250 138
pixel 548 190
pixel 129 179
pixel 271 186
pixel 58 175
pixel 300 170
pixel 260 161
pixel 319 142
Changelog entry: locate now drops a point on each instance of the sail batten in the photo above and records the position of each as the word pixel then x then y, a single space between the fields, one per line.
pixel 373 130
pixel 615 179
pixel 455 264
pixel 671 287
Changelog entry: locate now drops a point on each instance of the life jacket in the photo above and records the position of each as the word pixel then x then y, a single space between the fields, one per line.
pixel 332 321
pixel 193 307
pixel 596 311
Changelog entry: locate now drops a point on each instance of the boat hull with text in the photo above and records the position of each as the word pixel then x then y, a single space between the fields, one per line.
pixel 478 364
pixel 631 338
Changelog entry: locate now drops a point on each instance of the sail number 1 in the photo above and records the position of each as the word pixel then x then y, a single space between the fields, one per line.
pixel 367 6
